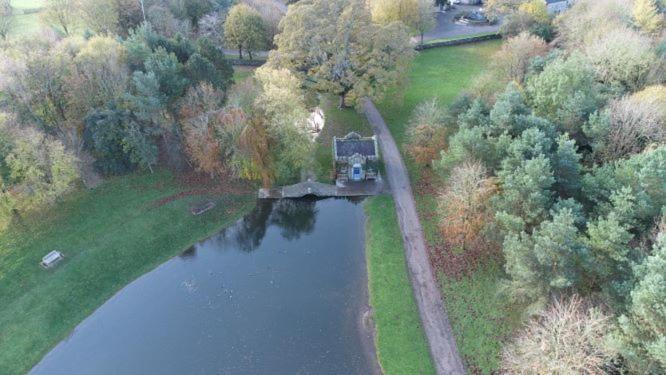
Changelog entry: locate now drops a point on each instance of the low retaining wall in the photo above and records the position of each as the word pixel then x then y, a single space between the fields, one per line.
pixel 246 62
pixel 455 42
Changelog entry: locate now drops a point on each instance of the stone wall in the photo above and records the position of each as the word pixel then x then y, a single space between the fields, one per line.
pixel 455 42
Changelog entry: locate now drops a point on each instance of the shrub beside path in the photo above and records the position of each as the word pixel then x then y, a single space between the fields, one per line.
pixel 432 311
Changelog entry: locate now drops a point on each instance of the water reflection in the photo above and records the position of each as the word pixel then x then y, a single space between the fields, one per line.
pixel 280 292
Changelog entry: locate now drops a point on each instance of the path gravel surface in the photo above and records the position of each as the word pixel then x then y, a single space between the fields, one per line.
pixel 434 319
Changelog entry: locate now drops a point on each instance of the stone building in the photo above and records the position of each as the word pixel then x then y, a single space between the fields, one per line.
pixel 356 158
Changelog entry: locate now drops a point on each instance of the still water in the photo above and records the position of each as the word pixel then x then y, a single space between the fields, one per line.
pixel 280 292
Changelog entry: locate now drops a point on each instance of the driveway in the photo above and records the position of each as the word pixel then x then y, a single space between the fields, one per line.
pixel 446 28
pixel 443 349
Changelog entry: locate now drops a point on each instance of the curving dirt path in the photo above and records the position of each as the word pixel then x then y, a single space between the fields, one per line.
pixel 443 349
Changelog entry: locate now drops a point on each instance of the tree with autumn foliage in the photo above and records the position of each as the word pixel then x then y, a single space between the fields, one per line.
pixel 426 132
pixel 464 204
pixel 200 117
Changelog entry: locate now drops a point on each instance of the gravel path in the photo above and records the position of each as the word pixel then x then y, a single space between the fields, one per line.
pixel 435 322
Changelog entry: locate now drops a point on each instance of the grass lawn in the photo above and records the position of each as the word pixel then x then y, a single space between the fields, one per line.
pixel 241 73
pixel 110 236
pixel 401 343
pixel 480 319
pixel 27 20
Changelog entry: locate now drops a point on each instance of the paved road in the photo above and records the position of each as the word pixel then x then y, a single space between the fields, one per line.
pixel 435 322
pixel 446 28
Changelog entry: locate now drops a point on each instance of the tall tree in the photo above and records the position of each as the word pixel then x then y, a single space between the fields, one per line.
pixel 244 29
pixel 647 16
pixel 334 46
pixel 100 16
pixel 60 14
pixel 643 328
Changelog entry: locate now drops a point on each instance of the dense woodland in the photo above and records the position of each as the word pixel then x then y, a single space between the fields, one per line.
pixel 556 159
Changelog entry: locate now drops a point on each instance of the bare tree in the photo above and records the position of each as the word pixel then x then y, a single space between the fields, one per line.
pixel 568 338
pixel 632 125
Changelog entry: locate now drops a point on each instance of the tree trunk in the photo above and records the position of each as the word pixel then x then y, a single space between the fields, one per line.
pixel 240 52
pixel 421 38
pixel 250 53
pixel 341 103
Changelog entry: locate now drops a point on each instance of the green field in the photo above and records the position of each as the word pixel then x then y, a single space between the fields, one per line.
pixel 401 343
pixel 27 20
pixel 480 319
pixel 110 236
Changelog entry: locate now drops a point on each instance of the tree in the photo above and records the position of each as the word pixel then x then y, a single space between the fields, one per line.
pixel 41 170
pixel 60 14
pixel 588 20
pixel 567 338
pixel 526 193
pixel 536 9
pixel 272 13
pixel 549 262
pixel 192 10
pixel 425 20
pixel 99 75
pixel 626 127
pixel 622 58
pixel 281 105
pixel 426 132
pixel 387 11
pixel 608 239
pixel 464 204
pixel 201 119
pixel 244 29
pixel 104 134
pixel 100 16
pixel 169 73
pixel 7 18
pixel 565 92
pixel 647 17
pixel 335 48
pixel 643 327
pixel 512 61
pixel 442 4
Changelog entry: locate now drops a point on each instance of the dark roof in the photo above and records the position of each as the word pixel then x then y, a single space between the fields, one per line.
pixel 354 144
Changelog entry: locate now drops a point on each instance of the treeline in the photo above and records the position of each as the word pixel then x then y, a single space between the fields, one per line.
pixel 557 159
pixel 130 94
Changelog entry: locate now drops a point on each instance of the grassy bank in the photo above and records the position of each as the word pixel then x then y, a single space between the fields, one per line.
pixel 109 236
pixel 401 344
pixel 480 319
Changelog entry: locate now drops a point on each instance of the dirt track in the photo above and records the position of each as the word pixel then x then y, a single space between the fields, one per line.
pixel 443 349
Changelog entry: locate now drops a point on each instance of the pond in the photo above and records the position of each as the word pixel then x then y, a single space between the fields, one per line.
pixel 283 291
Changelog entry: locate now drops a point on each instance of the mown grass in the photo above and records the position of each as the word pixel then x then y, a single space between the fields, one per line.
pixel 110 236
pixel 401 344
pixel 27 19
pixel 481 319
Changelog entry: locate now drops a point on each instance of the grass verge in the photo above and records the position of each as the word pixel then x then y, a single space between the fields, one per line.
pixel 109 236
pixel 400 340
pixel 481 320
